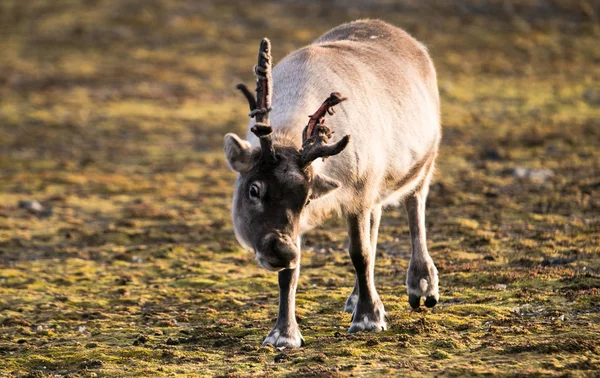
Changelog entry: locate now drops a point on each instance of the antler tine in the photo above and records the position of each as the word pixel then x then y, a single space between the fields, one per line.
pixel 317 118
pixel 260 106
pixel 321 150
pixel 264 88
pixel 249 96
pixel 264 82
pixel 316 134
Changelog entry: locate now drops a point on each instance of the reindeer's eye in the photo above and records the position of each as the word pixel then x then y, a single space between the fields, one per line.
pixel 307 202
pixel 254 191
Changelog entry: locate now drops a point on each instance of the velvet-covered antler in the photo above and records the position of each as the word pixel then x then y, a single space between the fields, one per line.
pixel 316 134
pixel 261 105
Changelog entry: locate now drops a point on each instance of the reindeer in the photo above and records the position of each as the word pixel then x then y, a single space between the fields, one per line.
pixel 290 179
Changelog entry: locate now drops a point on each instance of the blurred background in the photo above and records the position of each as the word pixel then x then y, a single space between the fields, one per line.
pixel 115 230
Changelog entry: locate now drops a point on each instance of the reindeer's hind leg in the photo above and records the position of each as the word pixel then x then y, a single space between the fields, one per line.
pixel 375 220
pixel 422 277
pixel 369 314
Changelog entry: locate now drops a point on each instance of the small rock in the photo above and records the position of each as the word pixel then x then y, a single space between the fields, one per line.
pixel 36 208
pixel 33 206
pixel 500 286
pixel 533 174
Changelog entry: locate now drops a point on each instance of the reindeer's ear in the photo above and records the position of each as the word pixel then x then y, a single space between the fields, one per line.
pixel 322 185
pixel 238 152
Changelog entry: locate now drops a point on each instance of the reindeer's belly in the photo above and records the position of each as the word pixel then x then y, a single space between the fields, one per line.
pixel 397 185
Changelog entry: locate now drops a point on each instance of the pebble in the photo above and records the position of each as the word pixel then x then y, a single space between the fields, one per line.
pixel 534 174
pixel 35 207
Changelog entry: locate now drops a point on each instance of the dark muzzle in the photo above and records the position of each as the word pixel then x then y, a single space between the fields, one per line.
pixel 276 252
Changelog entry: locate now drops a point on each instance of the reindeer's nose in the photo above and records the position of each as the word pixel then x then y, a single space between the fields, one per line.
pixel 278 251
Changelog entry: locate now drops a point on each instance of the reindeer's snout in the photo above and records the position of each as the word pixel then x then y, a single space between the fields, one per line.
pixel 277 252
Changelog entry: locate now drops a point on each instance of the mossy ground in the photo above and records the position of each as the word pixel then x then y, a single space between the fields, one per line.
pixel 112 114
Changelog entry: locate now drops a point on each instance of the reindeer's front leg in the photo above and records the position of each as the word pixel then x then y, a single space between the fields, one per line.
pixel 369 314
pixel 286 333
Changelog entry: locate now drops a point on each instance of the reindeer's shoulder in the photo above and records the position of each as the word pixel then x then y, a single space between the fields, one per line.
pixel 360 30
pixel 375 34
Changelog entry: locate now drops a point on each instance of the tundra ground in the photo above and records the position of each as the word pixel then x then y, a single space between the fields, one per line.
pixel 112 115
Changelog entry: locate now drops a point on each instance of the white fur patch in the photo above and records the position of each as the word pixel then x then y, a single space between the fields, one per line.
pixel 368 325
pixel 276 339
pixel 426 288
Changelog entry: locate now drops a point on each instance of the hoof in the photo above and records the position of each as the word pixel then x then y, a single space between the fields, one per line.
pixel 284 339
pixel 415 301
pixel 371 320
pixel 367 326
pixel 422 282
pixel 430 301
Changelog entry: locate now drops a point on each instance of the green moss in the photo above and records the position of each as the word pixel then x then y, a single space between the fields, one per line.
pixel 439 355
pixel 113 114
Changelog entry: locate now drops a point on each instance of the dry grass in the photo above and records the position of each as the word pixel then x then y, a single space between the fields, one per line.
pixel 112 115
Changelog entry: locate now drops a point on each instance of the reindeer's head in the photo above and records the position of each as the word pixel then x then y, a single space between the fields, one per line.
pixel 276 182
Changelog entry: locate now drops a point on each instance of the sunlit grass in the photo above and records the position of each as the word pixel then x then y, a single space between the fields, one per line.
pixel 112 114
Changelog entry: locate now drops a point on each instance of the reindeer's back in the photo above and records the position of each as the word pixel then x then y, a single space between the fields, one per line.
pixel 392 110
pixel 383 44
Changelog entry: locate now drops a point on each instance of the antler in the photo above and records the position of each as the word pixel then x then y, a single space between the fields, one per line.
pixel 316 134
pixel 261 105
pixel 264 82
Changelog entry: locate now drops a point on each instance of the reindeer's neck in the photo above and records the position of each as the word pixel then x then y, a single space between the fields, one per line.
pixel 287 137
